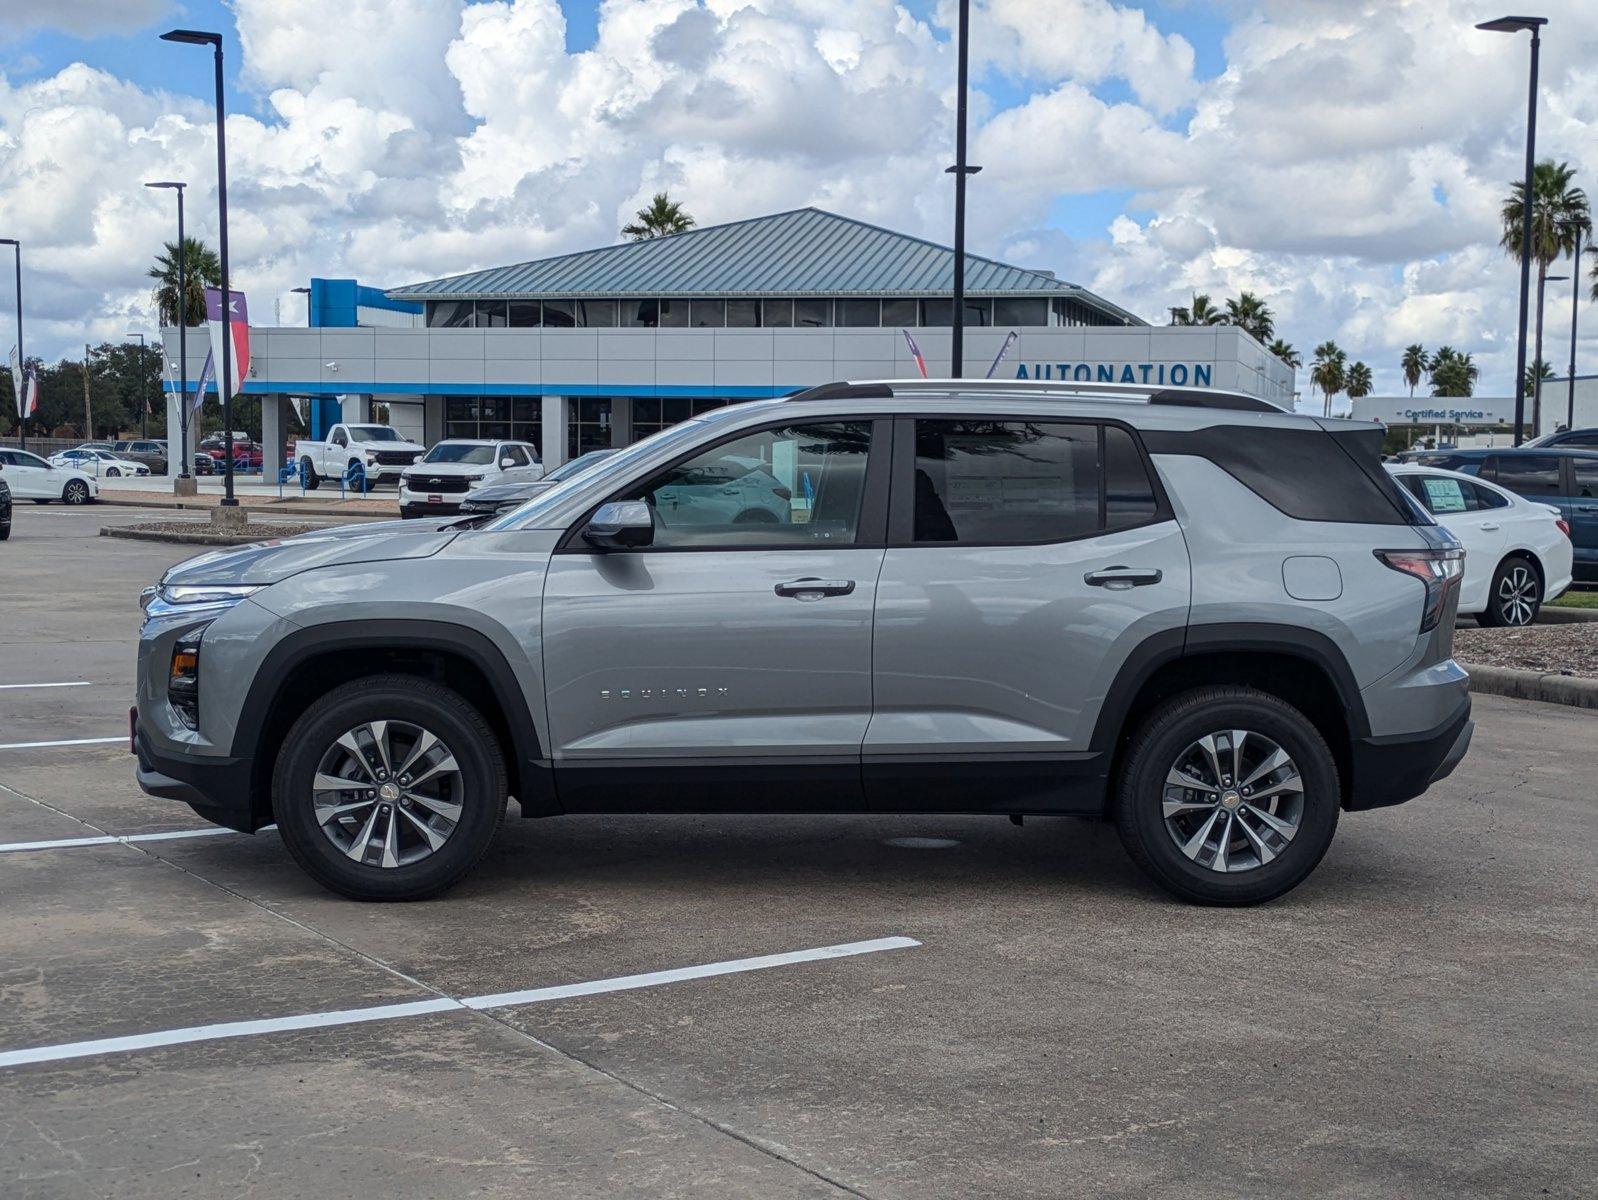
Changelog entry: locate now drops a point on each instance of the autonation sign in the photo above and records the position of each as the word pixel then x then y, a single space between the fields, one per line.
pixel 1161 374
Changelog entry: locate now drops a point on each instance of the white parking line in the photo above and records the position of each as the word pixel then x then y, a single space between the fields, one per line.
pixel 416 1008
pixel 68 742
pixel 10 687
pixel 109 840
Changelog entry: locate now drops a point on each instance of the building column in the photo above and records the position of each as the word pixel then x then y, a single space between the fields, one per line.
pixel 357 409
pixel 174 435
pixel 272 427
pixel 432 420
pixel 552 446
pixel 621 421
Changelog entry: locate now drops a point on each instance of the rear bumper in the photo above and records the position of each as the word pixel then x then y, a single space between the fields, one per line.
pixel 1391 770
pixel 218 789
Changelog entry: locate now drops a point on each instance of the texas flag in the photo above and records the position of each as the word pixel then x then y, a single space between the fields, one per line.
pixel 239 317
pixel 30 391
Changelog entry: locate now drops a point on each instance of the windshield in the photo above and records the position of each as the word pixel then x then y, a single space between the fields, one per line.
pixel 529 514
pixel 460 452
pixel 577 466
pixel 373 433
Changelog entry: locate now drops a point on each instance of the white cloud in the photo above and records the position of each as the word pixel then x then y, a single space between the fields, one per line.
pixel 1348 164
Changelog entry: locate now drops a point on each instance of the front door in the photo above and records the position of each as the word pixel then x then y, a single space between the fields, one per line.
pixel 30 477
pixel 1581 508
pixel 728 665
pixel 1028 560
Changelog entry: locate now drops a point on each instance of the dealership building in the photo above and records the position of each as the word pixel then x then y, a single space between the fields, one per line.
pixel 602 347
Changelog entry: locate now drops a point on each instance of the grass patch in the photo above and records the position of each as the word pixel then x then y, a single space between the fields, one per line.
pixel 1573 599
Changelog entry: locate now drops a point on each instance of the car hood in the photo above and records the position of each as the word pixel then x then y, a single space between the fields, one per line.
pixel 499 493
pixel 269 562
pixel 401 446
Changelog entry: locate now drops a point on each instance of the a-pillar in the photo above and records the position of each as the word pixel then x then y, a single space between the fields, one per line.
pixel 552 445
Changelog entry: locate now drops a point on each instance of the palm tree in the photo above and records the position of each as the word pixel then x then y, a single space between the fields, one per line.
pixel 1536 372
pixel 1453 374
pixel 1414 364
pixel 202 269
pixel 663 216
pixel 1359 381
pixel 1285 352
pixel 1329 371
pixel 1251 314
pixel 1200 312
pixel 1558 210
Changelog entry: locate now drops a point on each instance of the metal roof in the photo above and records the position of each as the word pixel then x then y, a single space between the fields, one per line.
pixel 805 252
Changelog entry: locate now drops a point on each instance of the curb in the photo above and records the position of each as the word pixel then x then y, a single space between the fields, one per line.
pixel 275 506
pixel 1549 687
pixel 1553 614
pixel 181 539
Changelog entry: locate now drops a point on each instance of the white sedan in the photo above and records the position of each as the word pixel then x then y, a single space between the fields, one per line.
pixel 31 478
pixel 1517 552
pixel 93 461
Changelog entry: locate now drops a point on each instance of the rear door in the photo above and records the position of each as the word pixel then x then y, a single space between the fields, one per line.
pixel 1582 514
pixel 728 665
pixel 1028 559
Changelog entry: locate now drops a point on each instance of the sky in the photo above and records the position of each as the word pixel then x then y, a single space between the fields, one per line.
pixel 1343 159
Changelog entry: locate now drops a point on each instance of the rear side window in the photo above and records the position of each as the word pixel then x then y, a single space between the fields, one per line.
pixel 1007 482
pixel 1442 495
pixel 1527 474
pixel 1586 477
pixel 1306 473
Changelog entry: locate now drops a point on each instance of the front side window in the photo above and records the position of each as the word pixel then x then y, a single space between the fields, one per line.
pixel 797 485
pixel 1006 481
pixel 1529 474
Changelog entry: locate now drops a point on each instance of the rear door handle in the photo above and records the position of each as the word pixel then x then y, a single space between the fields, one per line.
pixel 815 589
pixel 1120 578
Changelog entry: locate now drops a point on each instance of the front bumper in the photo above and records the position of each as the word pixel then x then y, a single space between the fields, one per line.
pixel 1391 770
pixel 218 789
pixel 412 507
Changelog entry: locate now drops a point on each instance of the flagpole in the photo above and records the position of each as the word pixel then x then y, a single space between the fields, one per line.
pixel 22 356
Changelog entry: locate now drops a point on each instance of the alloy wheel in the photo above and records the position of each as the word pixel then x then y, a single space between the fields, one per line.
pixel 388 793
pixel 1517 596
pixel 1233 800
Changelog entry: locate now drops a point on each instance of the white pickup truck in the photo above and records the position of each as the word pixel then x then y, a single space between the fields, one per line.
pixel 382 453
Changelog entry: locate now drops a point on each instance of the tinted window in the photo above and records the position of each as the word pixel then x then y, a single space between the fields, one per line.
pixel 1527 474
pixel 1128 491
pixel 460 452
pixel 798 484
pixel 1586 477
pixel 1005 481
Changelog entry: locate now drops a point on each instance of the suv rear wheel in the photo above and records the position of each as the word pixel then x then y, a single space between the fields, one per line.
pixel 389 788
pixel 1227 795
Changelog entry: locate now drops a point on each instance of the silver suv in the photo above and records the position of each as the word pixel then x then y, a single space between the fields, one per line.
pixel 1213 622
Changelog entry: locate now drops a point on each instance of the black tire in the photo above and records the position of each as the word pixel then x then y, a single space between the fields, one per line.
pixel 1155 750
pixel 1515 596
pixel 112 473
pixel 402 698
pixel 308 473
pixel 41 502
pixel 5 529
pixel 76 492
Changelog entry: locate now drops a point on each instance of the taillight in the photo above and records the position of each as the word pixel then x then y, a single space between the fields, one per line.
pixel 1439 570
pixel 1563 526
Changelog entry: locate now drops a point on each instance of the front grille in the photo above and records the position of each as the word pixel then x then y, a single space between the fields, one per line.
pixel 437 484
pixel 396 458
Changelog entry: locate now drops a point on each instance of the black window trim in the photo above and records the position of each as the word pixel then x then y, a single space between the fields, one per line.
pixel 901 511
pixel 870 533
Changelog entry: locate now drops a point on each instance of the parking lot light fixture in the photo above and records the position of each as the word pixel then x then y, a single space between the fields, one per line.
pixel 1575 318
pixel 22 358
pixel 183 331
pixel 1518 25
pixel 224 359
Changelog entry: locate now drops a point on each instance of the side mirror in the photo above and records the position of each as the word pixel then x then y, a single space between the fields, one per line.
pixel 507 463
pixel 626 525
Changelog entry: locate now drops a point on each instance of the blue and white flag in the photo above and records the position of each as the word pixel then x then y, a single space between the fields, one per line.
pixel 1003 350
pixel 205 378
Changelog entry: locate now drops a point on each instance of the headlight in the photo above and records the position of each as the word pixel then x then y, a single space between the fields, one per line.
pixel 193 598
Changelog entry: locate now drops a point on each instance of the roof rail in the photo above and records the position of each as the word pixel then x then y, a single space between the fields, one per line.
pixel 882 389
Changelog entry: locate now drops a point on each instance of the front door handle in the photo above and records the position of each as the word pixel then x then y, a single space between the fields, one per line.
pixel 1490 526
pixel 1587 508
pixel 1120 578
pixel 815 589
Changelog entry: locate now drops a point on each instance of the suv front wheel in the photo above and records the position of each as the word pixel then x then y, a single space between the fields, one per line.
pixel 1227 796
pixel 389 788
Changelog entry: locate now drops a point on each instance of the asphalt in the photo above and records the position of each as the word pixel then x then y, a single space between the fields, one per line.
pixel 1417 1019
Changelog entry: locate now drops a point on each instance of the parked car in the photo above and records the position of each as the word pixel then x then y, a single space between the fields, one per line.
pixel 1565 478
pixel 32 478
pixel 1518 553
pixel 440 481
pixel 1218 623
pixel 98 462
pixel 151 452
pixel 380 452
pixel 1569 439
pixel 5 509
pixel 204 464
pixel 502 497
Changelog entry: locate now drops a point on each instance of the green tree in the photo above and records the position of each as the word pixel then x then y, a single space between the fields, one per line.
pixel 1252 315
pixel 1359 382
pixel 1536 373
pixel 1453 373
pixel 1414 364
pixel 1285 352
pixel 1558 210
pixel 202 269
pixel 1200 312
pixel 1329 371
pixel 663 216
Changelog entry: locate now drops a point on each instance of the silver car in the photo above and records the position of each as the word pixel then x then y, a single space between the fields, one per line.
pixel 1215 623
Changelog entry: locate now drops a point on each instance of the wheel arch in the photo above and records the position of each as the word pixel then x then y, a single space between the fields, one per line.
pixel 307 663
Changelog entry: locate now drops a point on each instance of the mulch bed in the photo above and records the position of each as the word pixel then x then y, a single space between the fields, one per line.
pixel 1561 649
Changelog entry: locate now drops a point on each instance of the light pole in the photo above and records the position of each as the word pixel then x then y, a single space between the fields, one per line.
pixel 1575 313
pixel 22 358
pixel 1516 25
pixel 960 170
pixel 1537 359
pixel 183 331
pixel 144 405
pixel 223 354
